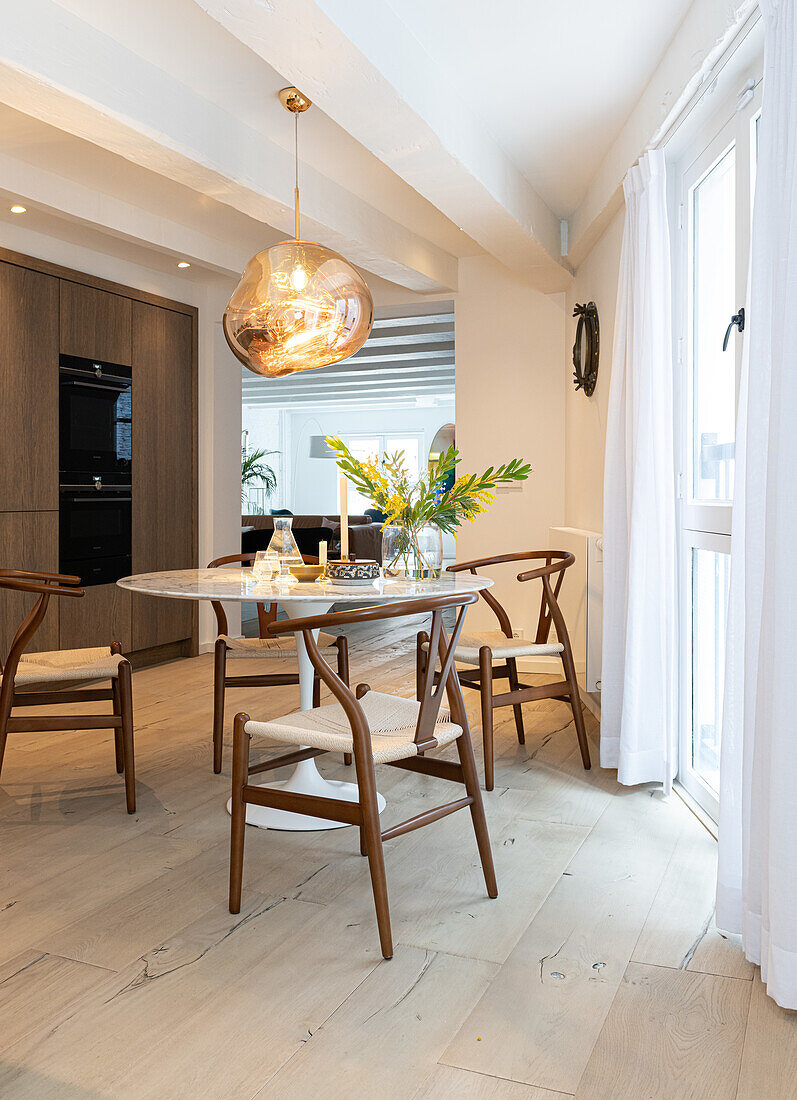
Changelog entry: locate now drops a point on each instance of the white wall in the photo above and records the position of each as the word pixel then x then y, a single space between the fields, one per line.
pixel 585 417
pixel 510 398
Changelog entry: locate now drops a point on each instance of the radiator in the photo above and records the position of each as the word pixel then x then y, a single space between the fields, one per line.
pixel 581 600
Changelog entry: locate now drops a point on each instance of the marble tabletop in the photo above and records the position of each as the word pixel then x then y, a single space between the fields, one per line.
pixel 240 585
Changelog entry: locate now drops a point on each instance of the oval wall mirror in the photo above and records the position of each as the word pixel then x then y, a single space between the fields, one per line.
pixel 586 349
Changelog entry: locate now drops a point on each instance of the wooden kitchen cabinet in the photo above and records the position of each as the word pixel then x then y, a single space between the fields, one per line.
pixel 95 324
pixel 28 390
pixel 164 520
pixel 47 310
pixel 101 617
pixel 28 540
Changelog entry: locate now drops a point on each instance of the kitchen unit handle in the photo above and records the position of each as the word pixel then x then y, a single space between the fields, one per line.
pixel 95 498
pixel 120 385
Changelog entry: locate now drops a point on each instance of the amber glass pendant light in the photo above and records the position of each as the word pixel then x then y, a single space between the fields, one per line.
pixel 298 306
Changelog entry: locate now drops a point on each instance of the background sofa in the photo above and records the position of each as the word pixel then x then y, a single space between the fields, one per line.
pixel 365 536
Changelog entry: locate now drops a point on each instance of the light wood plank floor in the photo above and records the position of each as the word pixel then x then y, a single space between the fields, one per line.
pixel 598 972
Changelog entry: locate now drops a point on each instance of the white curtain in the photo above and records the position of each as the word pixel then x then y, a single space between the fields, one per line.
pixel 757 878
pixel 638 701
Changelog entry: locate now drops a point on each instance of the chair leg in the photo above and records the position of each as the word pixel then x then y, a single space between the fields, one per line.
pixel 372 834
pixel 511 665
pixel 486 693
pixel 575 704
pixel 343 672
pixel 421 658
pixel 117 733
pixel 240 774
pixel 5 714
pixel 468 765
pixel 126 714
pixel 219 676
pixel 316 691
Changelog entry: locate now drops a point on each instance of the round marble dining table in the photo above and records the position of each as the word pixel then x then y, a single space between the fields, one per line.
pixel 299 599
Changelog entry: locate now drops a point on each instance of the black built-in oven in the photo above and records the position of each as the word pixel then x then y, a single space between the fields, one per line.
pixel 95 514
pixel 96 415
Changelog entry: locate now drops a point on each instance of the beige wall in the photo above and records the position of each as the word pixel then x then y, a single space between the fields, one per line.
pixel 510 396
pixel 585 417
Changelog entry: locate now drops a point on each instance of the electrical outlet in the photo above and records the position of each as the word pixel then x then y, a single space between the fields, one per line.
pixel 517 634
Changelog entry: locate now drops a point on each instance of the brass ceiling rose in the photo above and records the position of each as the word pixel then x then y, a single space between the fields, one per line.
pixel 293 100
pixel 298 306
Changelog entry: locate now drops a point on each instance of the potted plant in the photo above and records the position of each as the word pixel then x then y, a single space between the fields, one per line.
pixel 253 468
pixel 419 511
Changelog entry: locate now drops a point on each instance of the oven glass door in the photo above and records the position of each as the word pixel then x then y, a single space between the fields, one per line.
pixel 96 425
pixel 95 525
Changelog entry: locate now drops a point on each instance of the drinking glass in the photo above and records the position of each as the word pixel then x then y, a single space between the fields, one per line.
pixel 263 565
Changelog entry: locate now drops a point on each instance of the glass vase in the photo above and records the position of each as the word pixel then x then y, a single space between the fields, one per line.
pixel 283 544
pixel 415 553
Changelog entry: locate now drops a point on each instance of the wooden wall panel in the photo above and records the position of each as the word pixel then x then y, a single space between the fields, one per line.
pixel 163 466
pixel 28 390
pixel 28 540
pixel 101 617
pixel 95 324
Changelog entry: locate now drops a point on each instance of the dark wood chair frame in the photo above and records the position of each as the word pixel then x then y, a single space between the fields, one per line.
pixel 120 693
pixel 566 691
pixel 365 813
pixel 221 681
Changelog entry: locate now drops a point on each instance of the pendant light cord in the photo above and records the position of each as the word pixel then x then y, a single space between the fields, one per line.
pixel 296 174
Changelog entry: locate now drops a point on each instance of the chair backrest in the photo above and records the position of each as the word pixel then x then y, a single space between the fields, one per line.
pixel 441 647
pixel 266 613
pixel 555 562
pixel 44 585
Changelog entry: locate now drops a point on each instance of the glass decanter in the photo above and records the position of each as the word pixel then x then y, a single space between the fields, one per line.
pixel 284 546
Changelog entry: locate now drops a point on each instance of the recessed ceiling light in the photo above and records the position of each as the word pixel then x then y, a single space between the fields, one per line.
pixel 184 263
pixel 17 209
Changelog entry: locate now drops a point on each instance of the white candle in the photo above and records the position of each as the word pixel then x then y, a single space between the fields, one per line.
pixel 322 554
pixel 344 520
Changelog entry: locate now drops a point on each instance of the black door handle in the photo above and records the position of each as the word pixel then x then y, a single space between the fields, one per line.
pixel 738 320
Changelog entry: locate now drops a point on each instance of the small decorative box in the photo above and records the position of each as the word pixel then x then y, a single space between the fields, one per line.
pixel 363 572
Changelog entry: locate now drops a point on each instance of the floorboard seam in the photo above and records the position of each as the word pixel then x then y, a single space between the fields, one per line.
pixel 680 970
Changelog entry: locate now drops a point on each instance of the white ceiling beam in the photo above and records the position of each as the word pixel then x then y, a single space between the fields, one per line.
pixel 369 402
pixel 397 372
pixel 357 384
pixel 57 67
pixel 376 339
pixel 446 319
pixel 398 357
pixel 428 401
pixel 358 61
pixel 76 202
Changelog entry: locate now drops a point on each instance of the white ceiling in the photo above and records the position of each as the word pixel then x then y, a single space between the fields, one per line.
pixel 439 130
pixel 553 80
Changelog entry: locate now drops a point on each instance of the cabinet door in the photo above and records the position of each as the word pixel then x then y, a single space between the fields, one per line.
pixel 95 324
pixel 28 540
pixel 163 466
pixel 101 617
pixel 28 390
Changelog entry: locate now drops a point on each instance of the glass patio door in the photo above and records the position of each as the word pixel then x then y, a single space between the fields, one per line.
pixel 713 238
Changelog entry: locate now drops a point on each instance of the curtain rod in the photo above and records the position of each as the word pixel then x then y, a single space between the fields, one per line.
pixel 700 84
